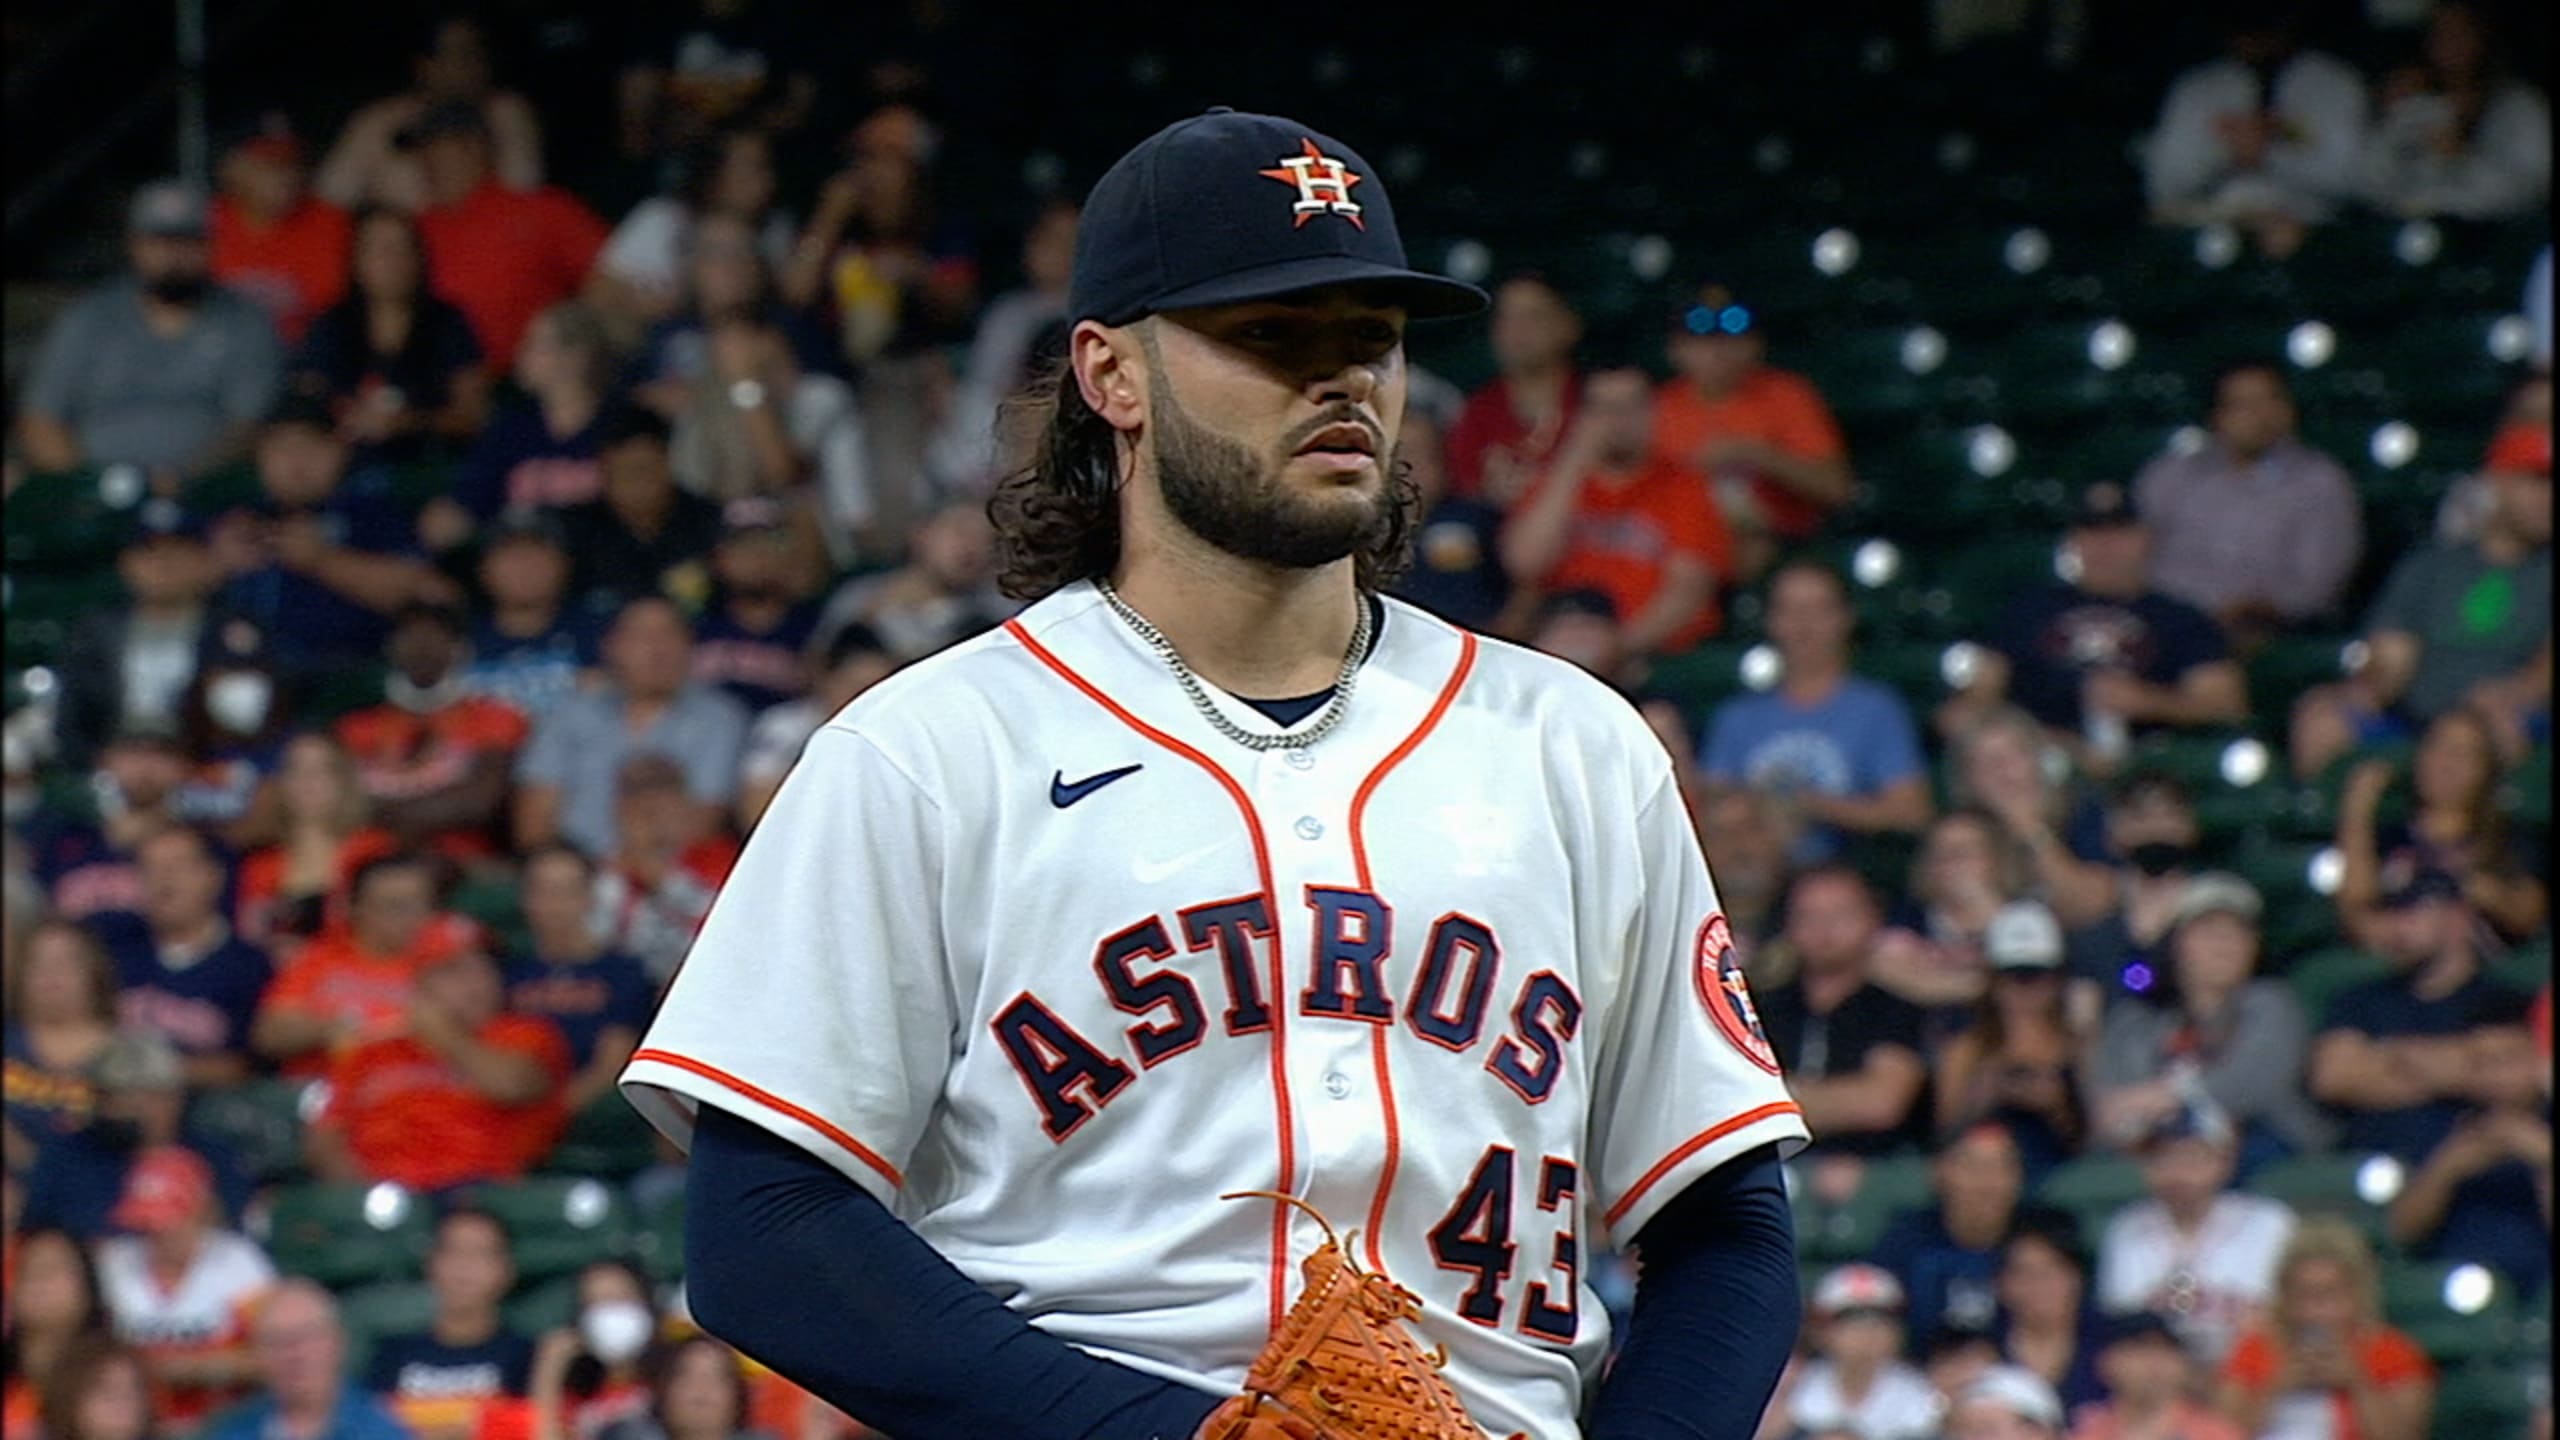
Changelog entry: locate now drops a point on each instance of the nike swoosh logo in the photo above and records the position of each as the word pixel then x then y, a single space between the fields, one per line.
pixel 1148 872
pixel 1062 794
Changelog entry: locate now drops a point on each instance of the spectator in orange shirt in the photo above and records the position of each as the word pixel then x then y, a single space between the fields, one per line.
pixel 1614 513
pixel 1763 434
pixel 434 758
pixel 316 810
pixel 502 255
pixel 2325 1363
pixel 355 984
pixel 273 240
pixel 462 1092
pixel 1509 430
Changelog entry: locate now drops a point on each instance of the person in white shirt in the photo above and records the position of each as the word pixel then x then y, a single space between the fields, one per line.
pixel 730 174
pixel 2203 1255
pixel 1857 1382
pixel 2007 1403
pixel 2458 135
pixel 2269 136
pixel 178 1287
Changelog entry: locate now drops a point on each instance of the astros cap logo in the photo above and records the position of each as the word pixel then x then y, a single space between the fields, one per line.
pixel 1323 182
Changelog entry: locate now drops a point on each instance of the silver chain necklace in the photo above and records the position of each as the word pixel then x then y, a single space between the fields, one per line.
pixel 1308 734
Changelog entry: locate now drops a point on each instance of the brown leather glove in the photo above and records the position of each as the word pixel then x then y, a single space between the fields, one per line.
pixel 1343 1365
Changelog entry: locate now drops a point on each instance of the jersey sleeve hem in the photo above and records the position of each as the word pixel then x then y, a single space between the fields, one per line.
pixel 668 1088
pixel 1780 1122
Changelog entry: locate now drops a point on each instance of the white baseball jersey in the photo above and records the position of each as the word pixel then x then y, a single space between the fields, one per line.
pixel 1032 952
pixel 2211 1283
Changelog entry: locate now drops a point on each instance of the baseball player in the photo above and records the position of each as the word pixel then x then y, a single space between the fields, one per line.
pixel 1215 872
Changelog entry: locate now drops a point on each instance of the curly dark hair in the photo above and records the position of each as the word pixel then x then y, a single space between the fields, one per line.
pixel 1057 511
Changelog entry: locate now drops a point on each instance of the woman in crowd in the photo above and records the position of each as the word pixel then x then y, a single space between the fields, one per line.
pixel 2453 824
pixel 643 267
pixel 2324 1364
pixel 294 887
pixel 541 449
pixel 2211 1020
pixel 100 1391
pixel 2459 134
pixel 587 1376
pixel 697 1391
pixel 61 1016
pixel 1968 867
pixel 2017 1064
pixel 52 1307
pixel 2003 763
pixel 2047 1324
pixel 397 362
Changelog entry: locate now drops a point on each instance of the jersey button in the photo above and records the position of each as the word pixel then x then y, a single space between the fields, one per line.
pixel 1337 1084
pixel 1309 828
pixel 1302 759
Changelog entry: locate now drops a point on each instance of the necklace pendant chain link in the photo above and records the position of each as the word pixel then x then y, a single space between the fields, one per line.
pixel 1297 738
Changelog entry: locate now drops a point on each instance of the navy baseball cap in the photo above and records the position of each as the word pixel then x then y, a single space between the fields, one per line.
pixel 1225 207
pixel 161 518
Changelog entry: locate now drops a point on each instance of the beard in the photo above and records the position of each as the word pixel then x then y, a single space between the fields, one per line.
pixel 1221 493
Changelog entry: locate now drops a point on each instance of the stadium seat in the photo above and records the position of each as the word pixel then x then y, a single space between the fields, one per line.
pixel 2320 978
pixel 559 1222
pixel 2526 796
pixel 1983 578
pixel 2286 667
pixel 345 1235
pixel 2526 967
pixel 68 520
pixel 2299 919
pixel 2419 1296
pixel 372 1312
pixel 2092 1188
pixel 2478 1400
pixel 2331 1184
pixel 659 1242
pixel 1698 680
pixel 260 1122
pixel 1847 1231
pixel 608 1139
pixel 539 1309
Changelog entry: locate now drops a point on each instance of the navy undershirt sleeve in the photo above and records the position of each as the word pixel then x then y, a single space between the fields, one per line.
pixel 801 1268
pixel 1716 1310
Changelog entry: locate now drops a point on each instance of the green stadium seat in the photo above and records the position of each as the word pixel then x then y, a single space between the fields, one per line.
pixel 542 1308
pixel 2417 1297
pixel 1863 378
pixel 2526 967
pixel 345 1235
pixel 2328 1184
pixel 1847 1231
pixel 2288 666
pixel 371 1313
pixel 260 1122
pixel 2320 978
pixel 1983 578
pixel 2299 919
pixel 69 520
pixel 2478 1400
pixel 659 1243
pixel 559 1222
pixel 608 1140
pixel 1698 680
pixel 2526 795
pixel 2092 1188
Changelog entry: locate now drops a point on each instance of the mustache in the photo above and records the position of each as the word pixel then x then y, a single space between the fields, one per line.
pixel 1340 414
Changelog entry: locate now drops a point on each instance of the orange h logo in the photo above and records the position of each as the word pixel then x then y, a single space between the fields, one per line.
pixel 1324 184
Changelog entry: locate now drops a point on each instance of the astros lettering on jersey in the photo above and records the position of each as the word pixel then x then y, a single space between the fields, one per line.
pixel 1031 952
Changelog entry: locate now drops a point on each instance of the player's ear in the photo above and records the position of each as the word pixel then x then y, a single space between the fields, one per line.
pixel 1109 374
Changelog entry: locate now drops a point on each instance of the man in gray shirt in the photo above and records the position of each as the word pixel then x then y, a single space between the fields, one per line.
pixel 161 369
pixel 650 704
pixel 2256 528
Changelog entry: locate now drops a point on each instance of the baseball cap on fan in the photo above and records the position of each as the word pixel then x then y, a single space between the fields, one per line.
pixel 1226 207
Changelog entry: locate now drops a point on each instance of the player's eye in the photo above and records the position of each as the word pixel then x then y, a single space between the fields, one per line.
pixel 1262 332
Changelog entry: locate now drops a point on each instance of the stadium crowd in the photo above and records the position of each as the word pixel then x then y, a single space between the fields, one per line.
pixel 482 562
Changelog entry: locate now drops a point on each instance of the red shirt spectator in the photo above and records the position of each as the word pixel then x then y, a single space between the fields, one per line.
pixel 263 903
pixel 273 240
pixel 434 760
pixel 2298 1374
pixel 501 255
pixel 1762 434
pixel 354 984
pixel 1510 429
pixel 467 1093
pixel 1638 527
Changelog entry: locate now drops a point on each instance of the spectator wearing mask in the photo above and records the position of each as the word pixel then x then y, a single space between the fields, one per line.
pixel 397 362
pixel 2047 1325
pixel 2465 622
pixel 2006 1402
pixel 299 886
pixel 2458 135
pixel 853 662
pixel 599 999
pixel 61 1018
pixel 697 1391
pixel 2105 656
pixel 301 1352
pixel 130 663
pixel 1837 746
pixel 233 721
pixel 2483 1194
pixel 542 451
pixel 1457 540
pixel 186 976
pixel 944 594
pixel 2197 1251
pixel 1507 435
pixel 439 1381
pixel 2152 840
pixel 2254 528
pixel 100 1391
pixel 641 272
pixel 179 1287
pixel 1761 435
pixel 1852 1051
pixel 2399 1058
pixel 140 1106
pixel 434 758
pixel 2017 1065
pixel 587 1375
pixel 755 425
pixel 1614 513
pixel 2454 822
pixel 2324 1363
pixel 2209 1023
pixel 1005 354
pixel 501 255
pixel 529 649
pixel 162 369
pixel 319 560
pixel 1947 1256
pixel 1967 872
pixel 356 984
pixel 1858 1382
pixel 657 883
pixel 85 866
pixel 2265 137
pixel 753 634
pixel 643 533
pixel 448 65
pixel 53 1312
pixel 2151 1380
pixel 272 239
pixel 462 1092
pixel 2005 763
pixel 567 778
